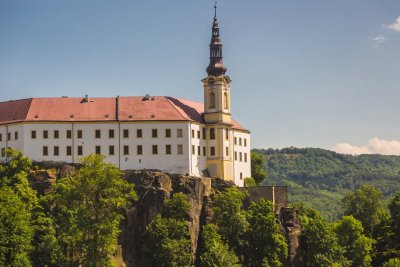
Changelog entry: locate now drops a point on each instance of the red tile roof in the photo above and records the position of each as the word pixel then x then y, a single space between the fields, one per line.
pixel 134 108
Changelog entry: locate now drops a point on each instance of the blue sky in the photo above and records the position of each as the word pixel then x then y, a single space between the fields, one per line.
pixel 313 73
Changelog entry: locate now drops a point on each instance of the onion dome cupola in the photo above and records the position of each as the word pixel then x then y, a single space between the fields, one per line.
pixel 216 66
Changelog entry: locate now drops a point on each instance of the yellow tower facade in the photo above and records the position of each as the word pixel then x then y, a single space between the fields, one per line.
pixel 217 111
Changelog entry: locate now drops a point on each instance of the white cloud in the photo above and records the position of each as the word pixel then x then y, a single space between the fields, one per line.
pixel 395 25
pixel 374 146
pixel 379 39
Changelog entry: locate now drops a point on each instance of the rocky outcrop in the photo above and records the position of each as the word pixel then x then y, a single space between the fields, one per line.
pixel 153 188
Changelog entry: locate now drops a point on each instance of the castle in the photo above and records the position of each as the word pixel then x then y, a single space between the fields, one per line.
pixel 140 132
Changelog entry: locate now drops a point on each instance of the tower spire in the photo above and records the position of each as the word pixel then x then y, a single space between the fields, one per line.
pixel 216 66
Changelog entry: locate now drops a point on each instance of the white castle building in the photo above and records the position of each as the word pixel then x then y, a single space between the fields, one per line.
pixel 150 132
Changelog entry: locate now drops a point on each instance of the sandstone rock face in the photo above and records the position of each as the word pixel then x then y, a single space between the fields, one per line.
pixel 41 180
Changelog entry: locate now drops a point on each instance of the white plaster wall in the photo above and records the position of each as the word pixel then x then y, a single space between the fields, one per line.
pixel 13 143
pixel 198 162
pixel 241 166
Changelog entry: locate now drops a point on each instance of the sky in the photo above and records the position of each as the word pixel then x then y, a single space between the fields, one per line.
pixel 315 73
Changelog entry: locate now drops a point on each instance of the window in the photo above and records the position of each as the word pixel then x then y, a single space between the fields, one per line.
pixel 244 141
pixel 45 134
pixel 227 151
pixel 16 135
pixel 235 155
pixel 139 133
pixel 139 149
pixel 241 176
pixel 212 151
pixel 126 150
pixel 180 149
pixel 3 152
pixel 245 157
pixel 168 149
pixel 240 141
pixel 111 133
pixel 155 149
pixel 204 151
pixel 192 133
pixel 198 134
pixel 56 134
pixel 97 134
pixel 240 156
pixel 1 137
pixel 33 134
pixel 126 133
pixel 226 133
pixel 79 134
pixel 179 133
pixel 167 133
pixel 111 150
pixel 212 133
pixel 235 140
pixel 204 132
pixel 98 149
pixel 69 134
pixel 212 100
pixel 193 150
pixel 154 133
pixel 56 151
pixel 225 100
pixel 45 151
pixel 69 150
pixel 8 136
pixel 80 150
pixel 198 150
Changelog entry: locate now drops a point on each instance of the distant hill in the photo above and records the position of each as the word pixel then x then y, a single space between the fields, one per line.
pixel 320 178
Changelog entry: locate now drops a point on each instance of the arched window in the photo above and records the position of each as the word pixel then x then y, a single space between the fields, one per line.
pixel 212 133
pixel 212 100
pixel 225 100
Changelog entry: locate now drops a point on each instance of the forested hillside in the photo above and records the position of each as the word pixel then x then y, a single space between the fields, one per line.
pixel 321 177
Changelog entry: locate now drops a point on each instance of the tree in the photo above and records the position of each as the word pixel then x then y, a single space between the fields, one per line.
pixel 322 248
pixel 15 229
pixel 266 246
pixel 87 211
pixel 357 246
pixel 258 167
pixel 249 182
pixel 230 218
pixel 365 204
pixel 394 208
pixel 167 240
pixel 214 251
pixel 395 262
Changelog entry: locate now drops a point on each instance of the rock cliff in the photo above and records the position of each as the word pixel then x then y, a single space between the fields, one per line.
pixel 153 188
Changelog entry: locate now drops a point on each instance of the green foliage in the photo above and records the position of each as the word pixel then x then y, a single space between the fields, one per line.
pixel 323 249
pixel 394 207
pixel 167 240
pixel 230 218
pixel 258 167
pixel 321 178
pixel 214 251
pixel 15 230
pixel 87 211
pixel 365 204
pixel 265 243
pixel 392 263
pixel 357 246
pixel 177 207
pixel 249 182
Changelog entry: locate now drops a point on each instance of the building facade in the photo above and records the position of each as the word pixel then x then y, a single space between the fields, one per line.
pixel 151 132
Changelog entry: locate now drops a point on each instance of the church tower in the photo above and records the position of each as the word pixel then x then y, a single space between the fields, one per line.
pixel 217 110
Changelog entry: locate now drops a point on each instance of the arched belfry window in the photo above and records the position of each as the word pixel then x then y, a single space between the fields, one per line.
pixel 212 133
pixel 212 100
pixel 226 100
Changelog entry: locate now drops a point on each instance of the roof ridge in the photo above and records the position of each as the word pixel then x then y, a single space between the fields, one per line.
pixel 173 105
